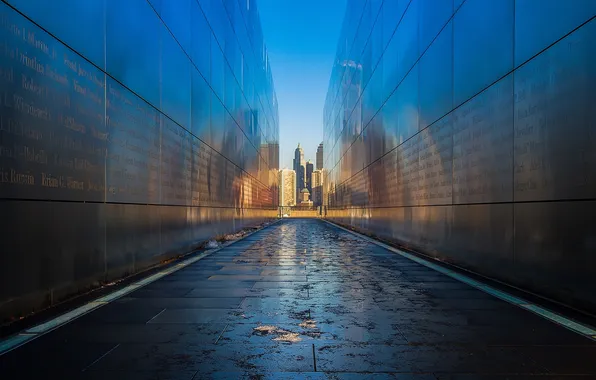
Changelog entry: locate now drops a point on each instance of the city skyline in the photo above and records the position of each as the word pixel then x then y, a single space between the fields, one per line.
pixel 306 177
pixel 301 61
pixel 305 157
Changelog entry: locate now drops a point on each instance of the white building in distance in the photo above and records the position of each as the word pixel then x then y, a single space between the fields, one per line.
pixel 317 187
pixel 287 187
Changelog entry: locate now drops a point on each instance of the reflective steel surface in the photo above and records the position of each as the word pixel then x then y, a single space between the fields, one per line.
pixel 465 129
pixel 303 299
pixel 130 131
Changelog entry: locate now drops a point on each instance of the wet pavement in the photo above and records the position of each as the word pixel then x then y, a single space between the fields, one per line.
pixel 302 299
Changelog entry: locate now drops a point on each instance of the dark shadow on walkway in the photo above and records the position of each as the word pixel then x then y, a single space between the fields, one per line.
pixel 302 299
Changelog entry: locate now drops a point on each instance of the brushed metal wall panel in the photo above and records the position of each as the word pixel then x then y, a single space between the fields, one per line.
pixel 483 146
pixel 217 68
pixel 175 153
pixel 482 45
pixel 407 35
pixel 175 78
pixel 84 33
pixel 200 107
pixel 389 114
pixel 433 16
pixel 80 247
pixel 142 26
pixel 482 237
pixel 435 163
pixel 408 171
pixel 424 228
pixel 408 106
pixel 380 221
pixel 131 231
pixel 133 163
pixel 176 226
pixel 434 227
pixel 391 196
pixel 539 23
pixel 217 131
pixel 52 129
pixel 376 138
pixel 24 272
pixel 435 79
pixel 177 16
pixel 554 250
pixel 72 254
pixel 555 138
pixel 197 148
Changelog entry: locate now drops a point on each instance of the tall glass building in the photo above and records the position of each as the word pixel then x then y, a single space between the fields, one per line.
pixel 465 129
pixel 130 132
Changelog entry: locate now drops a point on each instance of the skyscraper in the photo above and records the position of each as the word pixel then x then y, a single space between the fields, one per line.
pixel 319 160
pixel 308 179
pixel 287 188
pixel 299 169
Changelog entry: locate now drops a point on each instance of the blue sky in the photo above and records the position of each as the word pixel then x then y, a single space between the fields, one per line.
pixel 301 37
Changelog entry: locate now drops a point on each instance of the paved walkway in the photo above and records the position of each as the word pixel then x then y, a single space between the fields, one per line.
pixel 304 300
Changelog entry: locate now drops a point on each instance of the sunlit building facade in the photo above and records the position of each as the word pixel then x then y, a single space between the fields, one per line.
pixel 317 187
pixel 131 132
pixel 465 129
pixel 287 188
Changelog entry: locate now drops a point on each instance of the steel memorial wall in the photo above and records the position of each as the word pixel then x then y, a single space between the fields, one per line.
pixel 466 129
pixel 130 132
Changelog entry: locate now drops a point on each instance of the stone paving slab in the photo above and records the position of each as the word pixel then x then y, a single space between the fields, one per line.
pixel 305 300
pixel 185 303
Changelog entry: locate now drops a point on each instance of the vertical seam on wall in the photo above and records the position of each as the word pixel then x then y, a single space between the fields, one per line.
pixel 452 116
pixel 161 119
pixel 513 206
pixel 105 121
pixel 417 67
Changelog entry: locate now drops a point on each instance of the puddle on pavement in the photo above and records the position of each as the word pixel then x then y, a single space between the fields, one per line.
pixel 282 335
pixel 288 337
pixel 264 330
